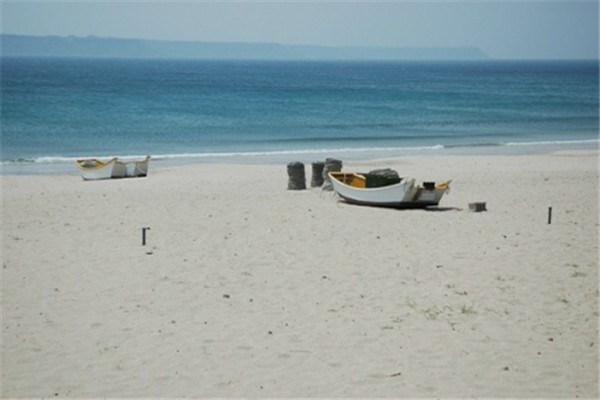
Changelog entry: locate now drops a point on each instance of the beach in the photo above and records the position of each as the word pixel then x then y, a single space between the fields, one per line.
pixel 247 289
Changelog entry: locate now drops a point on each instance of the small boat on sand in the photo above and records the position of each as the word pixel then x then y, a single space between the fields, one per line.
pixel 131 168
pixel 362 189
pixel 94 168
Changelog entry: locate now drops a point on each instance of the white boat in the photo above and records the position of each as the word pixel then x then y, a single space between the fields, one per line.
pixel 401 193
pixel 131 168
pixel 93 168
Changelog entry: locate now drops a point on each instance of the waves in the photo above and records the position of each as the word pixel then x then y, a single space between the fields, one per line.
pixel 557 142
pixel 56 111
pixel 353 152
pixel 219 155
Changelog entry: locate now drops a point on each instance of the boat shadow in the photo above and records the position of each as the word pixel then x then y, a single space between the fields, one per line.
pixel 442 209
pixel 405 208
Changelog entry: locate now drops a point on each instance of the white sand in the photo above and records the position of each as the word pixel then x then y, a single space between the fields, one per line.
pixel 248 289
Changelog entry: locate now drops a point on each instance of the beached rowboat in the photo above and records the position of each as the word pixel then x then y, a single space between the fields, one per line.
pixel 400 193
pixel 94 169
pixel 131 168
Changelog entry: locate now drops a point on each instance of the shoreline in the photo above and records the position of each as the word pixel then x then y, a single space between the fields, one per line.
pixel 59 167
pixel 245 288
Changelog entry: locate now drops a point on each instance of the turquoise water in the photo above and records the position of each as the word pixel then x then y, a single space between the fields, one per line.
pixel 55 110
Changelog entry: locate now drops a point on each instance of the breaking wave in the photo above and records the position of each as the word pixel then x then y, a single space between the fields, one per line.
pixel 273 154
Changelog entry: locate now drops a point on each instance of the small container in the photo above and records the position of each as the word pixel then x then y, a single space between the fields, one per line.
pixel 477 207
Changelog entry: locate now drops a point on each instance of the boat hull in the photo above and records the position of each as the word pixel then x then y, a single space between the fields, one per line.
pixel 95 169
pixel 132 169
pixel 390 204
pixel 401 195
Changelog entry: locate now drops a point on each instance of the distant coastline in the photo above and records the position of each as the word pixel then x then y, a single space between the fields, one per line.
pixel 96 47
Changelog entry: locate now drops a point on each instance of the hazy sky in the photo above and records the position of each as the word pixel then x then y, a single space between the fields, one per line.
pixel 501 29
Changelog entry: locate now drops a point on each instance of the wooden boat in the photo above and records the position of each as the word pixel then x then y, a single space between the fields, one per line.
pixel 132 168
pixel 398 193
pixel 93 168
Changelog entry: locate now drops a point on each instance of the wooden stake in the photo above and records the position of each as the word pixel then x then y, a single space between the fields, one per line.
pixel 549 215
pixel 147 228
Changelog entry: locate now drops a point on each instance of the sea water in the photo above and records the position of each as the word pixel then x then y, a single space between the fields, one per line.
pixel 55 110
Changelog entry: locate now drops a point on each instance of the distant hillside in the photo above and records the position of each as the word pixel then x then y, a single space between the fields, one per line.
pixel 71 46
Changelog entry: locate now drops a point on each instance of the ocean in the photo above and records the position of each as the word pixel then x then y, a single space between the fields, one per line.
pixel 55 110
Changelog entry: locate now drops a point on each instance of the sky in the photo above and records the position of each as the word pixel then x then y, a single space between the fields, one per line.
pixel 538 29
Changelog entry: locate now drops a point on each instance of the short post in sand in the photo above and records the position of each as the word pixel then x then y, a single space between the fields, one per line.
pixel 144 229
pixel 549 215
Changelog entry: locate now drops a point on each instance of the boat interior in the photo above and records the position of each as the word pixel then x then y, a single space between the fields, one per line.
pixel 363 181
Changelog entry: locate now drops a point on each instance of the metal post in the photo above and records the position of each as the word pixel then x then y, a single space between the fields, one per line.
pixel 144 229
pixel 549 215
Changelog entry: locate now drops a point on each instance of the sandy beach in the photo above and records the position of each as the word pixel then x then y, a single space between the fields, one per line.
pixel 245 288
